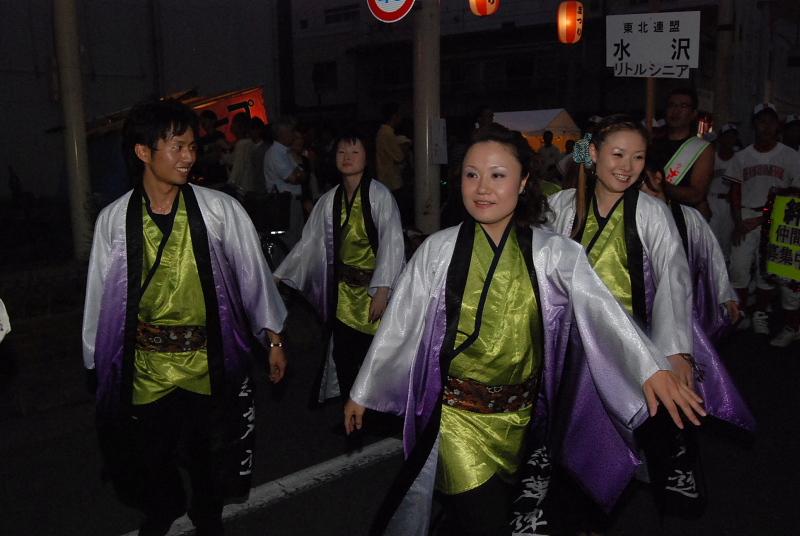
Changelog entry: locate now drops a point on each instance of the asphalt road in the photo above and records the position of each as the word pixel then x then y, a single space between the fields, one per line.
pixel 50 470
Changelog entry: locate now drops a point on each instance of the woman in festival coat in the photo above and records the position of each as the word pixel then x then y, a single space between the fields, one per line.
pixel 639 254
pixel 635 247
pixel 482 317
pixel 346 263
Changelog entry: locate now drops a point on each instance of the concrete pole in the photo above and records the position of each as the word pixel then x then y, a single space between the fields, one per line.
pixel 767 58
pixel 722 75
pixel 272 90
pixel 650 86
pixel 71 93
pixel 426 110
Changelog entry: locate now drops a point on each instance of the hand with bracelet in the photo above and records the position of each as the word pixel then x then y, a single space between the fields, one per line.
pixel 682 369
pixel 277 357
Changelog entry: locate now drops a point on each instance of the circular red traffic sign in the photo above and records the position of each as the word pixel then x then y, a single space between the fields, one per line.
pixel 390 10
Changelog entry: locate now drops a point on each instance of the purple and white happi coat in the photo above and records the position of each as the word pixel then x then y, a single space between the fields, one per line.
pixel 235 279
pixel 677 294
pixel 309 267
pixel 401 373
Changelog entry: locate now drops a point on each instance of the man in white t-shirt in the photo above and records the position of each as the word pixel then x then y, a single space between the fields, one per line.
pixel 550 155
pixel 281 172
pixel 243 177
pixel 754 171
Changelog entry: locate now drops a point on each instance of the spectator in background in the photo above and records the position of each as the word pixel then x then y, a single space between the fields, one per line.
pixel 754 171
pixel 260 145
pixel 211 150
pixel 282 173
pixel 310 189
pixel 569 146
pixel 687 160
pixel 549 155
pixel 390 154
pixel 243 176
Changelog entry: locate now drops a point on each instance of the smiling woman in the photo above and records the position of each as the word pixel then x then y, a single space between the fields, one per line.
pixel 634 246
pixel 474 335
pixel 492 181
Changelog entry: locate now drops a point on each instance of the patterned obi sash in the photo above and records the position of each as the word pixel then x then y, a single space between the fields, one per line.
pixel 354 276
pixel 476 397
pixel 170 339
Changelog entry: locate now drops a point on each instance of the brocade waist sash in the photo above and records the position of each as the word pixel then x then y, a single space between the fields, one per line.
pixel 170 339
pixel 476 397
pixel 353 276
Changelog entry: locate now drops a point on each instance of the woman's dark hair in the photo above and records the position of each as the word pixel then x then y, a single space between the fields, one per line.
pixel 615 123
pixel 150 121
pixel 606 127
pixel 532 206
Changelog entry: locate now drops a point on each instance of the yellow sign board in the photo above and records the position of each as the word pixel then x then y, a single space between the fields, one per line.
pixel 783 249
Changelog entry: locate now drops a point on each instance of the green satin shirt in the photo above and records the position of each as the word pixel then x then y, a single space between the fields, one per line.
pixel 352 306
pixel 607 252
pixel 475 446
pixel 174 297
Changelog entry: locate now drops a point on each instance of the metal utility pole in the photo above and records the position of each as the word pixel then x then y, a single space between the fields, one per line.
pixel 71 92
pixel 426 110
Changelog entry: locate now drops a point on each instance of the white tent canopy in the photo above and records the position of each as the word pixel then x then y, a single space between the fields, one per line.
pixel 535 122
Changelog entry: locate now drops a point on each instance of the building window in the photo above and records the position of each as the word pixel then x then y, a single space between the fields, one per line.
pixel 324 76
pixel 346 13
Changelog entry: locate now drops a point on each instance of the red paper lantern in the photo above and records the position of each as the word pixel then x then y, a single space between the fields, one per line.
pixel 482 8
pixel 570 22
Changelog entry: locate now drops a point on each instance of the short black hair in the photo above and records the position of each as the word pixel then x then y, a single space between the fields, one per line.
pixel 150 121
pixel 352 134
pixel 688 92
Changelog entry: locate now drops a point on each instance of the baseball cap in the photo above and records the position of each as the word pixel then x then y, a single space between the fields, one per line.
pixel 765 107
pixel 727 127
pixel 791 118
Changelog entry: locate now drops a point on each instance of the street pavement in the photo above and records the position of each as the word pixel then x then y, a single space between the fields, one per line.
pixel 50 474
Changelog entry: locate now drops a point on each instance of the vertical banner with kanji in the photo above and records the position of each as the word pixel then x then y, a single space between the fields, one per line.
pixel 657 45
pixel 783 249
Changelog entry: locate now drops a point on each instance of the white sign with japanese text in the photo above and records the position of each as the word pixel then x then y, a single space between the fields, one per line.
pixel 658 45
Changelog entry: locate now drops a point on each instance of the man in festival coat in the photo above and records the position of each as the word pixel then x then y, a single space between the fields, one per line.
pixel 178 300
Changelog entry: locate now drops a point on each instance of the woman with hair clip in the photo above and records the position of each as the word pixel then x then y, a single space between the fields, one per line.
pixel 633 244
pixel 471 350
pixel 346 263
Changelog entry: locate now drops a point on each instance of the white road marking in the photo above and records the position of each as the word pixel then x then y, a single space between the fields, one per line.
pixel 288 486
